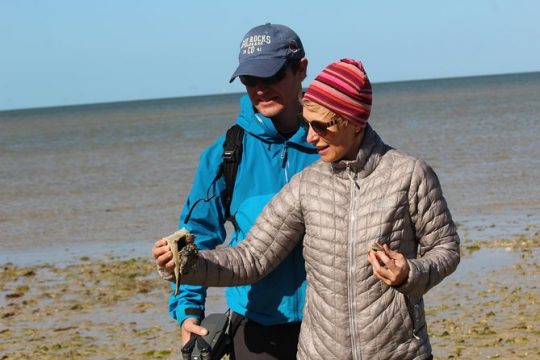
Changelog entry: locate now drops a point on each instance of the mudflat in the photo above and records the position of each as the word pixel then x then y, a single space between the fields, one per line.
pixel 86 190
pixel 116 308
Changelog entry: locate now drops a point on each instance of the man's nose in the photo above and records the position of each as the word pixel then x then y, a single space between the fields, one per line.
pixel 261 86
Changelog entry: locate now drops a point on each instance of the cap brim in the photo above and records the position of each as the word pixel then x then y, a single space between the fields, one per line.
pixel 259 67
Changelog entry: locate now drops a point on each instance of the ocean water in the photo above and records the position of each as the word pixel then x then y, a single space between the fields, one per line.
pixel 110 179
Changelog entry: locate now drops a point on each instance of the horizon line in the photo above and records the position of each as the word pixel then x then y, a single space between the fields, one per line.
pixel 49 107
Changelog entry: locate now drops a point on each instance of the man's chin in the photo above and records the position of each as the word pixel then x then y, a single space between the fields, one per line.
pixel 269 109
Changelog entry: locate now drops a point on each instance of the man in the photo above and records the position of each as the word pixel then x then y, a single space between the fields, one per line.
pixel 267 314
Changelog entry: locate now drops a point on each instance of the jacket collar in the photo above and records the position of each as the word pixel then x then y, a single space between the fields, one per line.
pixel 263 128
pixel 369 155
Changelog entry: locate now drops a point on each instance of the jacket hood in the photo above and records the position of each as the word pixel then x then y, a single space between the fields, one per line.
pixel 369 155
pixel 263 128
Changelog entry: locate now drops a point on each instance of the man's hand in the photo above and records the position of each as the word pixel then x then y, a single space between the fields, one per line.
pixel 163 255
pixel 191 326
pixel 391 267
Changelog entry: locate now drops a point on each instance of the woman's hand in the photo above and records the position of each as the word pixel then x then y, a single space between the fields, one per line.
pixel 391 267
pixel 163 255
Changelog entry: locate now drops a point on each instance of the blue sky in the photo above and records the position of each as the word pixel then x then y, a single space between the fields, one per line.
pixel 77 52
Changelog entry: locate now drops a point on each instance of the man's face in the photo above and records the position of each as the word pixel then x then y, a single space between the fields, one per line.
pixel 276 99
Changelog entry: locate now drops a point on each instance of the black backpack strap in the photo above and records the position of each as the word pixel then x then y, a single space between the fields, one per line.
pixel 232 153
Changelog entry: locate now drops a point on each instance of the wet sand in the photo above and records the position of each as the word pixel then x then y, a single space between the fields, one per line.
pixel 86 190
pixel 113 308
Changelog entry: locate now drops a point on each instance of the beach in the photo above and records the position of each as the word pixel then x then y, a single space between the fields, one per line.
pixel 86 190
pixel 116 309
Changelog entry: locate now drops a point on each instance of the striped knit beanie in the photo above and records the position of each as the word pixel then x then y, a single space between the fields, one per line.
pixel 343 88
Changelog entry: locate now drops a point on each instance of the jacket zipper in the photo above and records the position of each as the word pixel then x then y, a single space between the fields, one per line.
pixel 352 268
pixel 285 166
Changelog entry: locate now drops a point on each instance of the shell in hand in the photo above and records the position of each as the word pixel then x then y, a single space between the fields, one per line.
pixel 184 252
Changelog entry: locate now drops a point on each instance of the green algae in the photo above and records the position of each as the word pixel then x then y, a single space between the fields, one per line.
pixel 116 309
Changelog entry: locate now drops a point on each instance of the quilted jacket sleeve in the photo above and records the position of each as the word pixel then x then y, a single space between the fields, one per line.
pixel 276 232
pixel 435 233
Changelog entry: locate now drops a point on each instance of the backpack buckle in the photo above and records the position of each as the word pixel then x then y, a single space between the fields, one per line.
pixel 229 155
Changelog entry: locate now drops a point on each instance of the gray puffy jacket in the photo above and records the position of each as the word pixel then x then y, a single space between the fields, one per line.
pixel 339 210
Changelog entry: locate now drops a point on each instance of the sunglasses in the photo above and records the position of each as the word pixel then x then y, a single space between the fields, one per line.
pixel 251 81
pixel 321 127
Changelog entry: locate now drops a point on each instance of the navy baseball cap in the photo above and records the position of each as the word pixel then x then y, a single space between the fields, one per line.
pixel 265 49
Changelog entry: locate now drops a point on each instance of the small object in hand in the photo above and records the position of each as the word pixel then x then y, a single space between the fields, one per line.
pixel 377 247
pixel 184 253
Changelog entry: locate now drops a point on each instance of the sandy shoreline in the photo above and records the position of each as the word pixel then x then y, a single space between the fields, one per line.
pixel 116 308
pixel 86 191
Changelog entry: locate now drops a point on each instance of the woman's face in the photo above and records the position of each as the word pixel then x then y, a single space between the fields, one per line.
pixel 341 140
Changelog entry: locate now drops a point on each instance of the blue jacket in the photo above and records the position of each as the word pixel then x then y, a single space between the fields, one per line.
pixel 268 162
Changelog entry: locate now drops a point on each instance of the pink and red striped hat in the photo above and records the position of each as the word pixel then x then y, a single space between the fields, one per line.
pixel 343 88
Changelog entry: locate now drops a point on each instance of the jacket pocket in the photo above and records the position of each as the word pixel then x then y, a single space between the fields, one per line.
pixel 416 313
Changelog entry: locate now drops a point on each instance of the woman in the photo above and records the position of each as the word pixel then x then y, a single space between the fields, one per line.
pixel 360 303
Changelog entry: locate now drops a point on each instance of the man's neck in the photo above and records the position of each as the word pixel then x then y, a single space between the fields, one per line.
pixel 287 121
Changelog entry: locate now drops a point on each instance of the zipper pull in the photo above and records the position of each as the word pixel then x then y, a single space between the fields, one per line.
pixel 284 161
pixel 353 177
pixel 284 151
